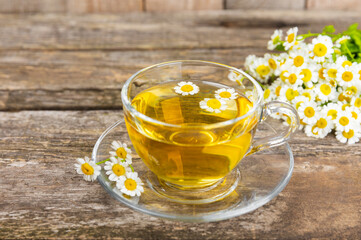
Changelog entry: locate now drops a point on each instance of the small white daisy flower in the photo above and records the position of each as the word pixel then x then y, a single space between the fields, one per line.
pixel 186 88
pixel 249 65
pixel 332 110
pixel 115 168
pixel 307 112
pixel 298 58
pixel 347 76
pixel 325 92
pixel 213 105
pixel 290 39
pixel 288 93
pixel 322 127
pixel 309 75
pixel 342 40
pixel 226 94
pixel 342 61
pixel 130 184
pixel 273 62
pixel 345 121
pixel 350 137
pixel 235 76
pixel 268 95
pixel 275 39
pixel 330 71
pixel 87 168
pixel 261 70
pixel 356 101
pixel 121 151
pixel 321 48
pixel 296 102
pixel 293 77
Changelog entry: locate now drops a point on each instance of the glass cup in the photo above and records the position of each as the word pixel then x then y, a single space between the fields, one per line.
pixel 198 158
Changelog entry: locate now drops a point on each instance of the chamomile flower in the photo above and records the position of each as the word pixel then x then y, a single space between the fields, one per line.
pixel 343 61
pixel 186 88
pixel 235 76
pixel 115 168
pixel 345 121
pixel 321 128
pixel 87 168
pixel 350 136
pixel 325 92
pixel 298 58
pixel 342 40
pixel 121 151
pixel 226 94
pixel 273 62
pixel 309 75
pixel 321 48
pixel 356 101
pixel 290 39
pixel 296 102
pixel 329 72
pixel 332 110
pixel 288 93
pixel 347 76
pixel 213 105
pixel 249 64
pixel 261 70
pixel 268 95
pixel 307 112
pixel 293 77
pixel 130 184
pixel 275 40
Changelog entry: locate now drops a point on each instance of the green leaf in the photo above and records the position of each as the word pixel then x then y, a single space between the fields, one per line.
pixel 280 47
pixel 353 27
pixel 329 29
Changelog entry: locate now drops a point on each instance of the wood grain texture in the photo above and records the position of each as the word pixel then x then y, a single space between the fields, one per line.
pixel 182 5
pixel 350 5
pixel 265 4
pixel 70 6
pixel 42 196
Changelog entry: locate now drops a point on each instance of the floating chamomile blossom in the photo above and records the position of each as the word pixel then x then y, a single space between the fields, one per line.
pixel 122 151
pixel 213 105
pixel 321 78
pixel 87 168
pixel 186 88
pixel 226 94
pixel 130 184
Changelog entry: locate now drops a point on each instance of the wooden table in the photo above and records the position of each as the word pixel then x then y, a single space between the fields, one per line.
pixel 60 79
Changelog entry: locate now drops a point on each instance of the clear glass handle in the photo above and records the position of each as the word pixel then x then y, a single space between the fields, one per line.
pixel 273 141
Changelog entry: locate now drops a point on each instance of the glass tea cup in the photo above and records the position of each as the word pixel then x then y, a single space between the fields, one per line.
pixel 192 122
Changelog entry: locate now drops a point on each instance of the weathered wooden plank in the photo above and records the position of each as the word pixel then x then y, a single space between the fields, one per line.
pixel 86 80
pixel 182 5
pixel 350 5
pixel 265 4
pixel 42 196
pixel 220 29
pixel 70 6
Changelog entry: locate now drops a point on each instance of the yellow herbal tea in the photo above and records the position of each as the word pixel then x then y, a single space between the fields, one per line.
pixel 190 156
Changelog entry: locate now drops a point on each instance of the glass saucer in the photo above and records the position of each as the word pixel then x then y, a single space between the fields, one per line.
pixel 261 177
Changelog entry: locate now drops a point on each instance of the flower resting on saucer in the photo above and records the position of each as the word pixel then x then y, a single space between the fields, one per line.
pixel 130 184
pixel 115 168
pixel 121 151
pixel 87 168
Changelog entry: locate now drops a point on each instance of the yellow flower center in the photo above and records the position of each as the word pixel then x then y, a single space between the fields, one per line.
pixel 225 94
pixel 320 50
pixel 321 123
pixel 332 72
pixel 320 74
pixel 282 75
pixel 298 61
pixel 325 89
pixel 263 70
pixel 87 169
pixel 291 94
pixel 354 115
pixel 278 89
pixel 307 95
pixel 272 63
pixel 130 184
pixel 309 112
pixel 307 75
pixel 347 76
pixel 343 121
pixel 298 104
pixel 359 72
pixel 292 78
pixel 346 63
pixel 121 152
pixel 313 130
pixel 266 93
pixel 290 37
pixel 357 102
pixel 333 83
pixel 344 106
pixel 214 103
pixel 187 88
pixel 348 134
pixel 118 169
pixel 352 89
pixel 332 113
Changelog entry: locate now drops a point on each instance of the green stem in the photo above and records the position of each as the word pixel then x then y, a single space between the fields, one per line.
pixel 98 163
pixel 349 52
pixel 131 167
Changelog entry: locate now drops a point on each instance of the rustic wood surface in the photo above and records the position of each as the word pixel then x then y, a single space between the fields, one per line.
pixel 60 79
